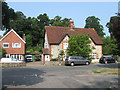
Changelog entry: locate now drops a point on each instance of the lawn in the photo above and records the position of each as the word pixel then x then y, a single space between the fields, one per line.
pixel 108 71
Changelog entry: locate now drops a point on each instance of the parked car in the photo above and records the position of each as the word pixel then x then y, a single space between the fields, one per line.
pixel 28 58
pixel 107 59
pixel 74 60
pixel 37 57
pixel 10 60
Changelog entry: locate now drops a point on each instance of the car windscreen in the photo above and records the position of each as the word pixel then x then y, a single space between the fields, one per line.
pixel 29 56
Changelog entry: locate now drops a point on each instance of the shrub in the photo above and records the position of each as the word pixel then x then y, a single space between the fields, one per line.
pixel 55 59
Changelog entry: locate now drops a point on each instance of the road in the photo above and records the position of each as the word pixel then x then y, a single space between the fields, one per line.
pixel 58 77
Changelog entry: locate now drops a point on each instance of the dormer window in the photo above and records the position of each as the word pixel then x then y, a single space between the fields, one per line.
pixel 16 45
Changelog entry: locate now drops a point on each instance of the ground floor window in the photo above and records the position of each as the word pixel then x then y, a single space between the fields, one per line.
pixel 16 56
pixel 7 55
pixel 94 55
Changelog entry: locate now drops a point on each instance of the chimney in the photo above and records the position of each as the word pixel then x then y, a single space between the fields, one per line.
pixel 71 24
pixel 24 37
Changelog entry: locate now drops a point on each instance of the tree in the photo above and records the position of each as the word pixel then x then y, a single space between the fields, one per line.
pixel 79 45
pixel 93 22
pixel 43 20
pixel 58 21
pixel 109 46
pixel 114 29
pixel 61 54
pixel 7 15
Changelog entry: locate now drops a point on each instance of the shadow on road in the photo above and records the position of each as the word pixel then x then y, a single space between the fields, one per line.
pixel 21 76
pixel 103 85
pixel 109 65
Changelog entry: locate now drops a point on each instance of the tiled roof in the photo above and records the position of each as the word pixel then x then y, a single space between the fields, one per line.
pixel 46 51
pixel 56 34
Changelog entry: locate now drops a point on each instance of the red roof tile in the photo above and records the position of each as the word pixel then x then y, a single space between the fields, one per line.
pixel 56 34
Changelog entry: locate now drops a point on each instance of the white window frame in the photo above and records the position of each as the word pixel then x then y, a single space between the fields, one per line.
pixel 64 46
pixel 7 55
pixel 94 55
pixel 15 46
pixel 5 43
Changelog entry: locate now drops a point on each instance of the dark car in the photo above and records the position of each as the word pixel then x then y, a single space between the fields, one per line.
pixel 107 59
pixel 74 60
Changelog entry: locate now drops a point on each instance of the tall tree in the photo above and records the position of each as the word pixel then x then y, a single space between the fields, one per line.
pixel 58 21
pixel 114 29
pixel 79 45
pixel 7 15
pixel 94 22
pixel 43 20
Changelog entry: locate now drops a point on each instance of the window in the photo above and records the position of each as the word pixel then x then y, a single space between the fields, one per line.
pixel 65 45
pixel 16 45
pixel 94 55
pixel 7 55
pixel 5 45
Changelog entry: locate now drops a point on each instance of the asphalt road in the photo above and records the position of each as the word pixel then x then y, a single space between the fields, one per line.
pixel 58 77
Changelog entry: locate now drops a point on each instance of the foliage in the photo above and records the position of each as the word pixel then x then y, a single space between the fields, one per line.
pixel 0 36
pixel 58 22
pixel 114 29
pixel 55 59
pixel 7 15
pixel 3 52
pixel 109 46
pixel 79 45
pixel 61 54
pixel 94 22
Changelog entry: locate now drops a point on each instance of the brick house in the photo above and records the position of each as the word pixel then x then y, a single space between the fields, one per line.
pixel 14 45
pixel 56 39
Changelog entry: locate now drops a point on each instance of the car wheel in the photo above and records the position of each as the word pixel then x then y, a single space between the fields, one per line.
pixel 106 62
pixel 87 63
pixel 72 63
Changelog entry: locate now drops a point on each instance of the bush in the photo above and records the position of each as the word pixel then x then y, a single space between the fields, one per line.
pixel 55 59
pixel 3 52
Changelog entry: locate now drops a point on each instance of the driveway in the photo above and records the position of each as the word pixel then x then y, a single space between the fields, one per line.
pixel 59 77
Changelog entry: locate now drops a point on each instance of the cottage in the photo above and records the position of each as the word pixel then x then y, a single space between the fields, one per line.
pixel 14 45
pixel 56 39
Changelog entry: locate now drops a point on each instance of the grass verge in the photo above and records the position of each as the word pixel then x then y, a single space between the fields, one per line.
pixel 109 71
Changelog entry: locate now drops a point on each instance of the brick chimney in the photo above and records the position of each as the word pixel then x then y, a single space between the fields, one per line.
pixel 24 37
pixel 71 24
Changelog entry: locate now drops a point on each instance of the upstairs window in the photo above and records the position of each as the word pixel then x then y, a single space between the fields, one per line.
pixel 16 45
pixel 5 45
pixel 65 45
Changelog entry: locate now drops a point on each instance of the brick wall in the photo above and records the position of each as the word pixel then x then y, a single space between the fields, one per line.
pixel 13 38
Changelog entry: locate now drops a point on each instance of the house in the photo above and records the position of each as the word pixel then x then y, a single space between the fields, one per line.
pixel 14 45
pixel 56 39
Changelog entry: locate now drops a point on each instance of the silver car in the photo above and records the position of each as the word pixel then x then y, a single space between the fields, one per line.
pixel 74 60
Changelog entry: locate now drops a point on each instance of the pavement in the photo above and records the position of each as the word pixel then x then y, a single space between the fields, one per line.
pixel 59 77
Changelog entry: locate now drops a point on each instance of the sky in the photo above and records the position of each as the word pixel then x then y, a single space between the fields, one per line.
pixel 78 11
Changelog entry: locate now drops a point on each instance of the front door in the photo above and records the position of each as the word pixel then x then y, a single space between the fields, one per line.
pixel 47 58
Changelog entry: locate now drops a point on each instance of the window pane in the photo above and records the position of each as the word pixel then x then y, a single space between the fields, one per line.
pixel 5 45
